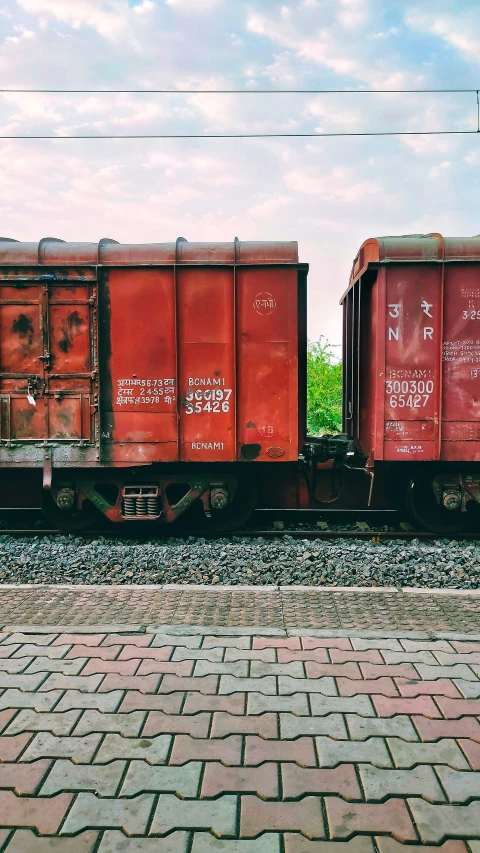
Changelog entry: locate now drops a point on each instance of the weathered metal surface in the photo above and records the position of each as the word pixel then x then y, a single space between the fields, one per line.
pixel 191 353
pixel 412 346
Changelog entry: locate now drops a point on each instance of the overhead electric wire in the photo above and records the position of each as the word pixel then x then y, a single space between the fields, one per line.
pixel 250 135
pixel 236 91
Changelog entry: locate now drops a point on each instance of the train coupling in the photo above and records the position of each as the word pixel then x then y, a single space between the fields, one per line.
pixel 325 447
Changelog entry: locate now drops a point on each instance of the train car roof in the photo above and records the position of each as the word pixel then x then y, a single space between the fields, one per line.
pixel 413 249
pixel 51 251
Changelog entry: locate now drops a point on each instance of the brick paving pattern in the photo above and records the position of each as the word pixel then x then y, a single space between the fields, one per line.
pixel 158 743
pixel 269 606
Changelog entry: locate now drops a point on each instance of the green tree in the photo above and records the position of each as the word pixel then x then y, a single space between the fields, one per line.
pixel 324 388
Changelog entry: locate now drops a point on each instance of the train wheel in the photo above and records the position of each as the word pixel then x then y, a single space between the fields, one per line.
pixel 232 517
pixel 426 511
pixel 70 520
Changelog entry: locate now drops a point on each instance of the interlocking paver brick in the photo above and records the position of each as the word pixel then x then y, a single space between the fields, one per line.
pixel 336 670
pixel 192 642
pixel 428 645
pixel 114 841
pixel 436 823
pixel 14 665
pixel 268 655
pixel 219 815
pixel 460 786
pixel 25 841
pixel 291 643
pixel 296 703
pixel 410 657
pixel 206 684
pixel 342 656
pixel 225 642
pixel 361 728
pixel 128 639
pixel 11 747
pixel 84 684
pixel 265 725
pixel 332 725
pixel 32 650
pixel 360 844
pixel 22 681
pixel 32 721
pixel 168 667
pixel 170 703
pixel 38 639
pixel 318 655
pixel 204 843
pixel 81 639
pixel 386 706
pixel 259 668
pixel 79 749
pixel 45 815
pixel 184 781
pixel 67 776
pixel 152 750
pixel 418 782
pixel 389 845
pixel 345 819
pixel 385 686
pixel 6 650
pixel 23 778
pixel 212 655
pixel 232 704
pixel 466 727
pixel 129 725
pixel 407 754
pixel 196 725
pixel 238 668
pixel 100 701
pixel 162 653
pixel 90 811
pixel 472 751
pixel 305 816
pixel 65 667
pixel 5 717
pixel 142 683
pixel 309 643
pixel 333 752
pixel 325 685
pixel 303 780
pixel 448 659
pixel 366 644
pixel 83 651
pixel 465 647
pixel 322 705
pixel 399 670
pixel 266 684
pixel 227 750
pixel 454 708
pixel 302 751
pixel 262 780
pixel 439 687
pixel 459 670
pixel 14 698
pixel 468 689
pixel 118 667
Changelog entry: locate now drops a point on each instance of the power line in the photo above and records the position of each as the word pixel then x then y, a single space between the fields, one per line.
pixel 249 135
pixel 235 91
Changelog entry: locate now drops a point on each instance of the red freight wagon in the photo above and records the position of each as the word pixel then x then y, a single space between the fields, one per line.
pixel 412 370
pixel 142 378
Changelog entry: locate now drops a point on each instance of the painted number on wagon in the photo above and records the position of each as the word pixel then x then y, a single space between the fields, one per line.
pixel 214 400
pixel 409 394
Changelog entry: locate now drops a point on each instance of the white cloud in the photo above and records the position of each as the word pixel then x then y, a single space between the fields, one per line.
pixel 270 208
pixel 461 29
pixel 193 7
pixel 340 184
pixel 110 18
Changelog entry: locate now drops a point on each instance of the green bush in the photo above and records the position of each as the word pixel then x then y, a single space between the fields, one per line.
pixel 324 388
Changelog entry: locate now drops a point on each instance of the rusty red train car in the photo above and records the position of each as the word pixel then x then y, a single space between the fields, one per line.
pixel 411 395
pixel 144 379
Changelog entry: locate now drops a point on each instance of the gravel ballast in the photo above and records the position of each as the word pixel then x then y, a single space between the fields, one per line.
pixel 283 560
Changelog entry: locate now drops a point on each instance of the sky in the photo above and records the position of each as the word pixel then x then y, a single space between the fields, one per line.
pixel 328 194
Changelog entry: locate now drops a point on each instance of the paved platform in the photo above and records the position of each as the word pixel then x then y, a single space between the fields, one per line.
pixel 220 739
pixel 278 608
